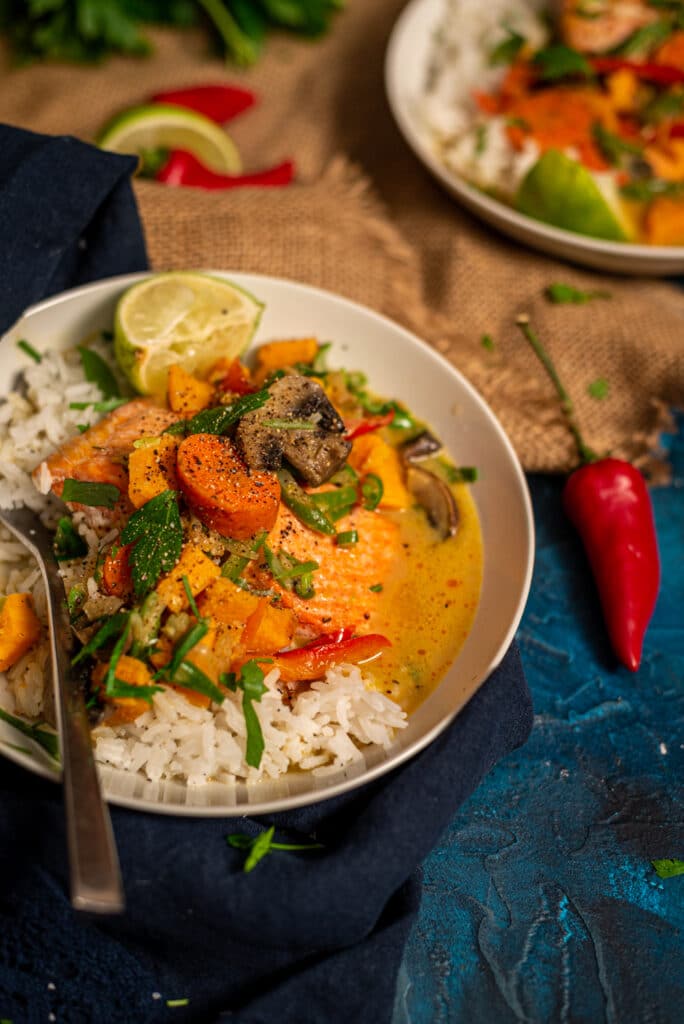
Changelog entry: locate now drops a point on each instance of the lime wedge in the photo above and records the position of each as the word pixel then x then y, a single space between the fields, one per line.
pixel 180 317
pixel 562 192
pixel 163 126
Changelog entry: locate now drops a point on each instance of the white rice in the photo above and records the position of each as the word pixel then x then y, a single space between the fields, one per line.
pixel 469 143
pixel 325 728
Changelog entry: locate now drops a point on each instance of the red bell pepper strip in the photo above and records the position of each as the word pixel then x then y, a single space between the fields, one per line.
pixel 314 659
pixel 182 168
pixel 237 380
pixel 220 103
pixel 369 424
pixel 607 501
pixel 658 74
pixel 676 130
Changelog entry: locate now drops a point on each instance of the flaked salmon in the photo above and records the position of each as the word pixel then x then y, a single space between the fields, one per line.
pixel 99 455
pixel 345 575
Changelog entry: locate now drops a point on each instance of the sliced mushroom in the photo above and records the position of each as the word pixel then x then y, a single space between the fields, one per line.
pixel 436 498
pixel 316 451
pixel 420 447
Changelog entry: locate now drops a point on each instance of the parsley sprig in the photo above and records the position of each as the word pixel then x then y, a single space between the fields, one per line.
pixel 156 533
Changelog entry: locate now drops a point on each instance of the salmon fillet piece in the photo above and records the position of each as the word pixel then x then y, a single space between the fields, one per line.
pixel 99 454
pixel 342 583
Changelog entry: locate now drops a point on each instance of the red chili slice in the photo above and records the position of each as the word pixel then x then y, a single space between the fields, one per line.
pixel 219 102
pixel 182 168
pixel 313 660
pixel 368 425
pixel 659 74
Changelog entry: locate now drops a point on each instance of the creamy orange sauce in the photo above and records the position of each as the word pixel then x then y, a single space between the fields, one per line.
pixel 427 604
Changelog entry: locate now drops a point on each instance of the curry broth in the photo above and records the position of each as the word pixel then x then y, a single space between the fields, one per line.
pixel 428 603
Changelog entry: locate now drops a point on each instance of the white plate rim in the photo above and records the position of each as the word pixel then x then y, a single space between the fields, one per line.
pixel 578 247
pixel 401 755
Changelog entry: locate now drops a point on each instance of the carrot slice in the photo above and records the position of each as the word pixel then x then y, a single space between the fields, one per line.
pixel 221 491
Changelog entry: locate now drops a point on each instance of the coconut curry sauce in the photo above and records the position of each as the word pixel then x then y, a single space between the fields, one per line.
pixel 428 603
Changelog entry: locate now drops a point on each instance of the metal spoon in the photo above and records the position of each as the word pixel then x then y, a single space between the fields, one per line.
pixel 94 866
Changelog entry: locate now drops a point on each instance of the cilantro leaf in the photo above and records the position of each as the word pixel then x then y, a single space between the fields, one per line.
pixel 669 867
pixel 98 372
pixel 156 532
pixel 560 61
pixel 87 492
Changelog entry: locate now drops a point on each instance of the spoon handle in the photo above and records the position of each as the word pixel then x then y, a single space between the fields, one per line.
pixel 94 866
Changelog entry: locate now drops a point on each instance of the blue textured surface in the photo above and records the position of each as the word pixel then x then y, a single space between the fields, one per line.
pixel 540 903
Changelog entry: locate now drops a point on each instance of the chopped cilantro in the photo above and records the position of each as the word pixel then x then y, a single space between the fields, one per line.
pixel 68 543
pixel 250 680
pixel 347 538
pixel 30 351
pixel 156 532
pixel 645 189
pixel 112 627
pixel 106 405
pixel 98 372
pixel 668 867
pixel 460 474
pixel 39 733
pixel 86 492
pixel 75 598
pixel 487 342
pixel 221 418
pixel 259 846
pixel 645 39
pixel 613 146
pixel 508 49
pixel 560 61
pixel 598 388
pixel 567 294
pixel 372 490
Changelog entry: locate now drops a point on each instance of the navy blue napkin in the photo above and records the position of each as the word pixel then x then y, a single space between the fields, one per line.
pixel 305 937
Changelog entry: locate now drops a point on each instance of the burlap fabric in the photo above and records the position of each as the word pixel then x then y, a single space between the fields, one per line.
pixel 365 220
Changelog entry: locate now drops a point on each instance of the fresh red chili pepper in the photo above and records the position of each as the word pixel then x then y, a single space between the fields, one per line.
pixel 369 424
pixel 219 102
pixel 313 660
pixel 607 501
pixel 182 168
pixel 658 74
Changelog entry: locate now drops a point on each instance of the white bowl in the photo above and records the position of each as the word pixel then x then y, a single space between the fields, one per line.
pixel 398 364
pixel 407 59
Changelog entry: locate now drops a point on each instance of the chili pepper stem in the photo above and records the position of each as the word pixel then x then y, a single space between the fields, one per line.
pixel 586 454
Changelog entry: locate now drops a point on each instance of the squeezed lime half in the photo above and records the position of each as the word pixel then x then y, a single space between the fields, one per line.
pixel 181 317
